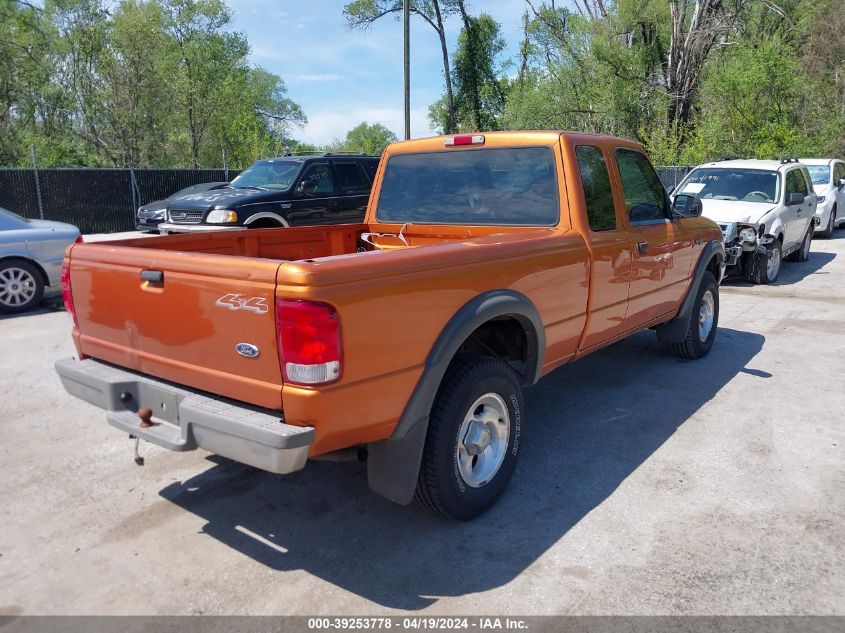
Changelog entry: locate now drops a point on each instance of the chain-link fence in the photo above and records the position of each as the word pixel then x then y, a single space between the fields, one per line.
pixel 95 200
pixel 105 200
pixel 671 176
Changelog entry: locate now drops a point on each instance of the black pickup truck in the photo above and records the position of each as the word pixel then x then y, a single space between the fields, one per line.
pixel 284 191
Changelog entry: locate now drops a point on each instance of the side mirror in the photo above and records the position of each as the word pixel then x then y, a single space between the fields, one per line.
pixel 687 206
pixel 794 198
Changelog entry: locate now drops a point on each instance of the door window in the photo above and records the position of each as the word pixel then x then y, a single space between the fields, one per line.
pixel 316 181
pixel 350 180
pixel 598 195
pixel 644 194
pixel 795 183
pixel 838 173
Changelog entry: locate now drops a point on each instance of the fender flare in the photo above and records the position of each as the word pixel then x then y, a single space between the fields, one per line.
pixel 676 330
pixel 261 215
pixel 393 465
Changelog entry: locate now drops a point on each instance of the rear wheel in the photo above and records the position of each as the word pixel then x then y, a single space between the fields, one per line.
pixel 21 286
pixel 704 322
pixel 803 253
pixel 473 439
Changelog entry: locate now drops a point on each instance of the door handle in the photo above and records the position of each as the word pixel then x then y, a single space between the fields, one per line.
pixel 642 247
pixel 152 276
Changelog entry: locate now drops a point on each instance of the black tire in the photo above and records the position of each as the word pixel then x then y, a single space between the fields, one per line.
pixel 757 272
pixel 21 286
pixel 831 224
pixel 441 487
pixel 693 346
pixel 803 253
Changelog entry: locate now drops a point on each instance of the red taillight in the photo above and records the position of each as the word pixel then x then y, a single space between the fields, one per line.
pixel 309 341
pixel 78 239
pixel 67 294
pixel 464 139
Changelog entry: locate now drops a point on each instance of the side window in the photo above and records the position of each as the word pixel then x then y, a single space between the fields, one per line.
pixel 795 182
pixel 597 192
pixel 370 167
pixel 808 183
pixel 839 174
pixel 350 180
pixel 644 194
pixel 316 180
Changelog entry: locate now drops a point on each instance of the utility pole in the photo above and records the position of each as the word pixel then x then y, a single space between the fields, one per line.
pixel 407 37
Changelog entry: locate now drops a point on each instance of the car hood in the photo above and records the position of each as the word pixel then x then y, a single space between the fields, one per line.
pixel 223 198
pixel 725 211
pixel 821 190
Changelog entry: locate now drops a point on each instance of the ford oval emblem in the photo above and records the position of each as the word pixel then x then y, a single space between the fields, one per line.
pixel 247 349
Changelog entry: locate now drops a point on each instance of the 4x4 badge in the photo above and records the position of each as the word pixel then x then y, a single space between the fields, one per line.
pixel 236 301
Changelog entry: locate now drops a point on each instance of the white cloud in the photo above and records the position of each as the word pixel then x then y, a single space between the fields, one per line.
pixel 325 126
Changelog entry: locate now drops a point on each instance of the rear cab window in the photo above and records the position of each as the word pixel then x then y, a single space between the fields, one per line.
pixel 491 186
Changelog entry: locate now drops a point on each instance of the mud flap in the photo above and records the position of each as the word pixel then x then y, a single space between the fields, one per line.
pixel 393 465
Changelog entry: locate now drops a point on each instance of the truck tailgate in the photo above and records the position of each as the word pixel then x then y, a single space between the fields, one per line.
pixel 179 316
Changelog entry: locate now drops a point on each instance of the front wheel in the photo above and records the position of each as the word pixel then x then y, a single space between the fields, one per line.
pixel 473 439
pixel 703 323
pixel 831 225
pixel 765 267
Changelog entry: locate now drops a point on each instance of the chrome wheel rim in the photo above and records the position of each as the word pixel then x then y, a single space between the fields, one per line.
pixel 773 263
pixel 17 287
pixel 706 315
pixel 483 440
pixel 805 247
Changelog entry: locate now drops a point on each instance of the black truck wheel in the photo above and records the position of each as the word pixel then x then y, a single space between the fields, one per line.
pixel 473 439
pixel 703 323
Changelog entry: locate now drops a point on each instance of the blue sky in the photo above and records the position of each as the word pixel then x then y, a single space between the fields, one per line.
pixel 343 77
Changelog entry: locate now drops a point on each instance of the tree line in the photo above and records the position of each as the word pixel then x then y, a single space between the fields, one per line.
pixel 166 83
pixel 692 80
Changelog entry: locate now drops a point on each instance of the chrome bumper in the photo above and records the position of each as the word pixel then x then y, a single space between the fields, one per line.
pixel 184 420
pixel 168 227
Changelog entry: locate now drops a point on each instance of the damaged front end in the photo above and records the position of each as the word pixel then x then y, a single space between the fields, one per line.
pixel 741 241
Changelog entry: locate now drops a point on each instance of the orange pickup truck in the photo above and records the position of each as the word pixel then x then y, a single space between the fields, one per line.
pixel 485 262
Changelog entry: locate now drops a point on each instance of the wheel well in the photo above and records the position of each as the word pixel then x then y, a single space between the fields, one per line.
pixel 265 223
pixel 38 266
pixel 713 266
pixel 504 338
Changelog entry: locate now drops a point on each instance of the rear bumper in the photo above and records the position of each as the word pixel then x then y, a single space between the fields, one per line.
pixel 184 420
pixel 168 227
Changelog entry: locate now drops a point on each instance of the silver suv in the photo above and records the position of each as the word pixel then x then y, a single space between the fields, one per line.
pixel 765 208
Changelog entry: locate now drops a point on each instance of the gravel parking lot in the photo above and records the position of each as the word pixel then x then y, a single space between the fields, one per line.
pixel 648 485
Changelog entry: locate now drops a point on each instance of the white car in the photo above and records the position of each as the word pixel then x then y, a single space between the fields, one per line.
pixel 828 176
pixel 765 208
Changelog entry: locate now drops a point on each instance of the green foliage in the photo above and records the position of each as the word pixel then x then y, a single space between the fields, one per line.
pixel 369 138
pixel 480 91
pixel 145 82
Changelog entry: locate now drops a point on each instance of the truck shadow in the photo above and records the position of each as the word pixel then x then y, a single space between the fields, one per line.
pixel 792 272
pixel 592 424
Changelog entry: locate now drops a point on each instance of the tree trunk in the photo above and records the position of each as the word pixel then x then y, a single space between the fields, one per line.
pixel 450 102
